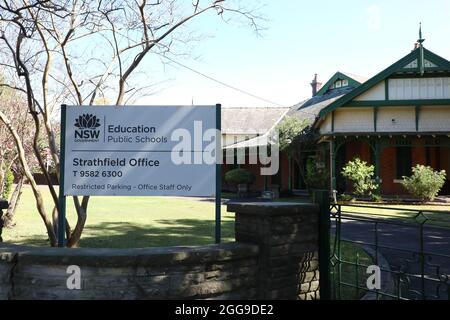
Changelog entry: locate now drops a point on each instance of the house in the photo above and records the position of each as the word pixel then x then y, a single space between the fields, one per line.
pixel 395 120
pixel 398 118
pixel 340 84
pixel 244 128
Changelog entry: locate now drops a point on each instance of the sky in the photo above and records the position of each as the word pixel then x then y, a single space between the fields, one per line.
pixel 301 38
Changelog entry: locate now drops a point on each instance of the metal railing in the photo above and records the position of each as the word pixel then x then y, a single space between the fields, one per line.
pixel 410 247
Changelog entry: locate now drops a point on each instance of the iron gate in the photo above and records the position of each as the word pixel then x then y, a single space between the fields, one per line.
pixel 410 247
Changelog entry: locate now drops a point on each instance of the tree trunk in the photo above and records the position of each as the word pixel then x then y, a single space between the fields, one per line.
pixel 82 216
pixel 13 204
pixel 34 187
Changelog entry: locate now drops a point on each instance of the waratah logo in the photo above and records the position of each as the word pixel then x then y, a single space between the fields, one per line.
pixel 87 121
pixel 87 125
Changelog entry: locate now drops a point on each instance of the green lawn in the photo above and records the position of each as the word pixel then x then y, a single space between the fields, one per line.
pixel 122 222
pixel 354 262
pixel 438 215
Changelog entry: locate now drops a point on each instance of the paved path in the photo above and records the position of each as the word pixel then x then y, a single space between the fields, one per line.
pixel 402 242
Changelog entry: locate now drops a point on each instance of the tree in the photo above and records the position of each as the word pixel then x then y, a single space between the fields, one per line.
pixel 12 103
pixel 317 175
pixel 75 52
pixel 293 135
pixel 288 130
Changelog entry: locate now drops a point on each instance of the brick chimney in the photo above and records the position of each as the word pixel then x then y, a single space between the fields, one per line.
pixel 315 85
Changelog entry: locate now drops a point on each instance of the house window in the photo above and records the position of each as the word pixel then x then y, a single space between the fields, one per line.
pixel 344 83
pixel 404 162
pixel 338 84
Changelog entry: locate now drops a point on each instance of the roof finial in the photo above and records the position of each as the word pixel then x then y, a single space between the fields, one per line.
pixel 420 34
pixel 421 52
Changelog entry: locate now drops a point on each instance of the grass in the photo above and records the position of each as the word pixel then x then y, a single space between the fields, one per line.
pixel 438 215
pixel 123 222
pixel 350 274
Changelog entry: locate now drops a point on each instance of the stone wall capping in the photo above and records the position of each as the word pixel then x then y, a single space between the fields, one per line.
pixel 108 257
pixel 271 208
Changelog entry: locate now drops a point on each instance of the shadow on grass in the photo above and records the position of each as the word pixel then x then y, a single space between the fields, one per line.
pixel 163 233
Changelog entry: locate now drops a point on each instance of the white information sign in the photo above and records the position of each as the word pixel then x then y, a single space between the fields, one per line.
pixel 140 150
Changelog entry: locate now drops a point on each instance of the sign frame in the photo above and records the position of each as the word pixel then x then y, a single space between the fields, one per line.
pixel 61 234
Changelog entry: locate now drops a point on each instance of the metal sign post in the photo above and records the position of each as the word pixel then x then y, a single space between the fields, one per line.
pixel 62 196
pixel 218 173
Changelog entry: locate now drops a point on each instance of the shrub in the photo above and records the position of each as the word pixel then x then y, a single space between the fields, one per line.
pixel 375 197
pixel 361 174
pixel 239 176
pixel 424 183
pixel 316 174
pixel 345 197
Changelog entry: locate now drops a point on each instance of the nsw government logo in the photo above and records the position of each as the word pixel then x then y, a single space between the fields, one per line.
pixel 87 131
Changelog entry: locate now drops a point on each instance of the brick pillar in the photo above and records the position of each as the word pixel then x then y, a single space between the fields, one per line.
pixel 288 237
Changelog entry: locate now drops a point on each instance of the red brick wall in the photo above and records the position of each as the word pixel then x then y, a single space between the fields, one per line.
pixel 445 164
pixel 258 185
pixel 359 149
pixel 434 157
pixel 387 170
pixel 445 161
pixel 259 179
pixel 254 168
pixel 365 152
pixel 388 163
pixel 284 165
pixel 351 150
pixel 418 152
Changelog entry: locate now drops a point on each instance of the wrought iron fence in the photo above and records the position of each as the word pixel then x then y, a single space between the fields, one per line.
pixel 410 247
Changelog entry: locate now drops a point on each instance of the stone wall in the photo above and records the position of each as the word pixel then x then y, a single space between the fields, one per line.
pixel 274 257
pixel 224 271
pixel 288 238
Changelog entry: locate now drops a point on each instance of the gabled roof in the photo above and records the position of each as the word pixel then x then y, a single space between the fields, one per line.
pixel 353 81
pixel 359 79
pixel 246 120
pixel 310 108
pixel 410 64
